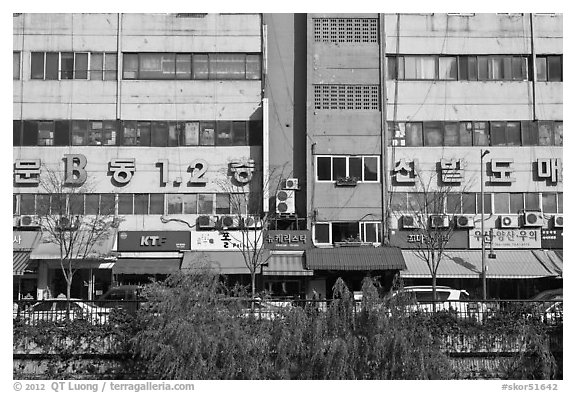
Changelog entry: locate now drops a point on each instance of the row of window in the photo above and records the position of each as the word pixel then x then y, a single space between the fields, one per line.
pixel 361 168
pixel 470 202
pixel 128 204
pixel 151 66
pixel 136 133
pixel 346 30
pixel 477 133
pixel 331 232
pixel 475 68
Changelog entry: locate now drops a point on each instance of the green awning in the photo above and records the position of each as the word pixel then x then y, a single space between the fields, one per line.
pixel 355 258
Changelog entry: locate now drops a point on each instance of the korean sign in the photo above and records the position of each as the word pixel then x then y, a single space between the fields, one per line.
pixel 287 240
pixel 226 240
pixel 507 238
pixel 153 241
pixel 552 238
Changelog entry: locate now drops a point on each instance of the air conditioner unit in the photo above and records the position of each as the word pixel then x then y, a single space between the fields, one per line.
pixel 439 221
pixel 207 222
pixel 291 184
pixel 510 221
pixel 285 202
pixel 533 219
pixel 464 221
pixel 558 221
pixel 68 223
pixel 252 222
pixel 15 221
pixel 228 222
pixel 29 221
pixel 409 222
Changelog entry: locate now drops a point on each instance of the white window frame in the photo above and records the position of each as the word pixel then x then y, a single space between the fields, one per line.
pixel 329 233
pixel 378 231
pixel 347 157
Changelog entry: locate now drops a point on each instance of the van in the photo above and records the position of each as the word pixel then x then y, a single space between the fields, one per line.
pixel 124 297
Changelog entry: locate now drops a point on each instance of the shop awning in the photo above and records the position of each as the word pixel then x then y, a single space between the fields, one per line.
pixel 468 264
pixel 220 262
pixel 551 259
pixel 355 258
pixel 286 264
pixel 22 263
pixel 49 250
pixel 146 266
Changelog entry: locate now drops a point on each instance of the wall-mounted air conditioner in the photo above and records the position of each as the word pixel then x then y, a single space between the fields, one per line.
pixel 464 221
pixel 229 222
pixel 285 202
pixel 558 221
pixel 252 222
pixel 291 184
pixel 207 222
pixel 409 222
pixel 439 221
pixel 29 221
pixel 533 219
pixel 509 221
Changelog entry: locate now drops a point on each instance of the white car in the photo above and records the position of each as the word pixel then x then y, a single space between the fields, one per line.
pixel 56 310
pixel 420 298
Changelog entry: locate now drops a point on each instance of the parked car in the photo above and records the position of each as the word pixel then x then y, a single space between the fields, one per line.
pixel 548 306
pixel 550 295
pixel 58 310
pixel 122 297
pixel 420 298
pixel 262 309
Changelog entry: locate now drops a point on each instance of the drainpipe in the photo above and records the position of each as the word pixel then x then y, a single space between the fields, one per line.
pixel 119 62
pixel 534 71
pixel 383 130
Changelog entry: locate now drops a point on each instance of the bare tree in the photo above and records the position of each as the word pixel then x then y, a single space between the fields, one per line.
pixel 63 221
pixel 428 204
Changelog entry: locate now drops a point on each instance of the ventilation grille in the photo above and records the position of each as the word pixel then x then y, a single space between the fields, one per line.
pixel 346 30
pixel 349 97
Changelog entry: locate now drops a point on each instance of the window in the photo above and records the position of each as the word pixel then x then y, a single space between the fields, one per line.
pixel 560 202
pixel 468 203
pixel 92 202
pixel 42 204
pixel 549 202
pixel 159 133
pixel 81 66
pixel 207 131
pixel 549 68
pixel 205 203
pixel 532 201
pixel 45 133
pixel 79 132
pixel 398 202
pixel 222 203
pixel 227 66
pixel 447 68
pixel 363 168
pixel 502 203
pixel 453 203
pixel 103 66
pixel 451 134
pixel 345 231
pixel 322 233
pixel 224 133
pixel 516 202
pixel 16 65
pixel 487 203
pixel 545 133
pixel 27 204
pixel 370 232
pixel 346 97
pixel 125 204
pixel 558 133
pixel 505 133
pixel 190 203
pixel 420 67
pixel 16 137
pixel 189 133
pixel 157 66
pixel 141 203
pixel 433 133
pixel 107 204
pixel 183 66
pixel 481 133
pixel 174 202
pixel 76 204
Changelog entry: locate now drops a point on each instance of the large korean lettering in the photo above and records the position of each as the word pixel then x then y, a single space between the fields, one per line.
pixel 405 171
pixel 550 169
pixel 122 169
pixel 501 170
pixel 27 171
pixel 452 171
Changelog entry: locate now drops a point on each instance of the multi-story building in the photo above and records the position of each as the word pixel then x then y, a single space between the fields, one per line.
pixel 360 114
pixel 161 114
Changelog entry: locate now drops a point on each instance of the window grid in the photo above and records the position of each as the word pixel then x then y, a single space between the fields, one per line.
pixel 365 231
pixel 74 65
pixel 365 175
pixel 346 97
pixel 346 30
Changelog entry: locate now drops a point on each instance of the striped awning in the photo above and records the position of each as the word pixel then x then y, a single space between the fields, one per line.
pixel 22 263
pixel 468 264
pixel 219 262
pixel 286 264
pixel 146 266
pixel 355 258
pixel 551 259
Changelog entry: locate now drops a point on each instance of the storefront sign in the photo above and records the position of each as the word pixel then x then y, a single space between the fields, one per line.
pixel 152 241
pixel 287 240
pixel 24 240
pixel 226 240
pixel 552 238
pixel 416 239
pixel 507 238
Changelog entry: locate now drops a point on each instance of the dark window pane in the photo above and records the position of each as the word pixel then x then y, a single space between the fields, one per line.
pixel 207 131
pixel 253 67
pixel 125 205
pixel 143 133
pixel 224 133
pixel 541 69
pixel 392 74
pixel 189 132
pixel 159 133
pixel 255 132
pixel 399 202
pixel 495 68
pixel 532 201
pixel 516 202
pixel 76 204
pixel 227 66
pixel 463 68
pixel 451 134
pixel 51 66
pixel 205 203
pixel 338 167
pixel 472 68
pixel 513 135
pixel 222 204
pixel 501 203
pixel 239 135
pixel 66 65
pixel 342 231
pixel 560 202
pixel 323 168
pixel 140 203
pixel 27 204
pixel 507 67
pixel 453 203
pixel 107 204
pixel 554 68
pixel 529 133
pixel 433 131
pixel 59 204
pixel 416 202
pixel 519 68
pixel 37 65
pixel 372 233
pixel 16 139
pixel 322 233
pixel 355 167
pixel 371 168
pixel 81 66
pixel 173 134
pixel 92 203
pixel 200 66
pixel 183 66
pixel 487 203
pixel 79 132
pixel 157 66
pixel 43 204
pixel 468 203
pixel 558 133
pixel 95 129
pixel 156 204
pixel 30 137
pixel 16 65
pixel 498 133
pixel 549 202
pixel 466 133
pixel 174 202
pixel 482 68
pixel 414 134
pixel 130 66
pixel 97 66
pixel 545 133
pixel 111 66
pixel 129 133
pixel 62 133
pixel 190 203
pixel 45 133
